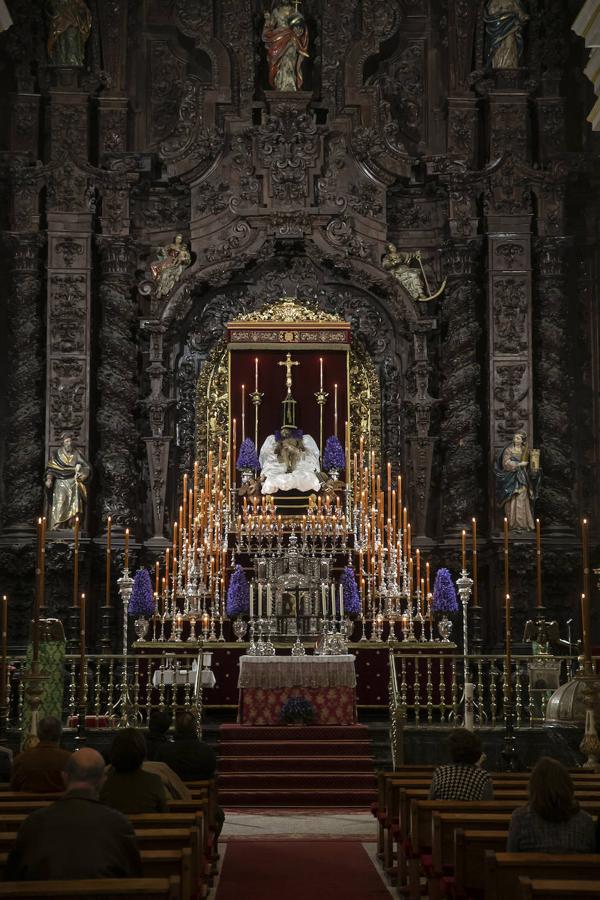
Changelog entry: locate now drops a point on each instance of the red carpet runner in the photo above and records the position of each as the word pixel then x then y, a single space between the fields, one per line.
pixel 310 765
pixel 266 870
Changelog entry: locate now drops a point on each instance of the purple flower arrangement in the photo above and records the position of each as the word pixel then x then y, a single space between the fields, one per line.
pixel 141 602
pixel 238 593
pixel 352 605
pixel 247 457
pixel 444 593
pixel 297 709
pixel 333 455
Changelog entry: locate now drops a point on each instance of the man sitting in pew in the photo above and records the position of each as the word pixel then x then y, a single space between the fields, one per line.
pixel 77 836
pixel 39 769
pixel 128 787
pixel 463 778
pixel 552 821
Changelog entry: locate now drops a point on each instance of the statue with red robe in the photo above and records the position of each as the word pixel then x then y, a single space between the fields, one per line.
pixel 285 37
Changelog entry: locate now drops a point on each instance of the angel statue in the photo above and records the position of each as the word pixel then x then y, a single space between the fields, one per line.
pixel 413 280
pixel 289 461
pixel 504 21
pixel 69 26
pixel 168 268
pixel 285 37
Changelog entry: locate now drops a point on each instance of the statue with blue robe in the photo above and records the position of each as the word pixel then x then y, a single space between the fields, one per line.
pixel 517 484
pixel 504 22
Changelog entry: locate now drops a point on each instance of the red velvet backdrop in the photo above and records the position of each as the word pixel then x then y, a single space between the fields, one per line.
pixel 271 383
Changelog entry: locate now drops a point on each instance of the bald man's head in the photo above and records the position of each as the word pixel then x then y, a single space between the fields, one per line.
pixel 84 769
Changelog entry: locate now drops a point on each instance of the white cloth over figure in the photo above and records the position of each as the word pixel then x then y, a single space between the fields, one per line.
pixel 302 478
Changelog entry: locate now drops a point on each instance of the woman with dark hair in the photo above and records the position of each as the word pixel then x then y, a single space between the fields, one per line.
pixel 552 821
pixel 128 788
pixel 463 778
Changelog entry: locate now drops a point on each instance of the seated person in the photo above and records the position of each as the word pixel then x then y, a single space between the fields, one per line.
pixel 188 756
pixel 39 769
pixel 159 722
pixel 6 760
pixel 289 461
pixel 128 787
pixel 552 821
pixel 463 778
pixel 75 837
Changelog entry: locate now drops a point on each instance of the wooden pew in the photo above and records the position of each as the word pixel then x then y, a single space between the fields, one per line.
pixel 193 823
pixel 470 846
pixel 503 870
pixel 155 864
pixel 443 847
pixel 107 888
pixel 540 889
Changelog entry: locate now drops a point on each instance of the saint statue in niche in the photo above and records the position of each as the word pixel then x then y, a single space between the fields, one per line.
pixel 69 26
pixel 504 22
pixel 518 477
pixel 66 473
pixel 168 268
pixel 412 279
pixel 285 37
pixel 289 461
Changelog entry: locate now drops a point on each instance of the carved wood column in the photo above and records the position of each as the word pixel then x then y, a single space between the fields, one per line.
pixel 117 456
pixel 421 443
pixel 158 445
pixel 24 449
pixel 461 375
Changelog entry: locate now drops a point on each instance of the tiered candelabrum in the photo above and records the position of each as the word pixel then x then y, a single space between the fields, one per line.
pixel 362 526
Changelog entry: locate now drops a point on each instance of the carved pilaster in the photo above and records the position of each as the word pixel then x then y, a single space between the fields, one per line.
pixel 553 382
pixel 461 375
pixel 117 457
pixel 421 443
pixel 158 445
pixel 24 449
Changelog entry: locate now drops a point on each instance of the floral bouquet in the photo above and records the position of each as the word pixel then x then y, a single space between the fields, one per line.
pixel 444 593
pixel 238 594
pixel 141 602
pixel 334 458
pixel 297 710
pixel 247 457
pixel 352 605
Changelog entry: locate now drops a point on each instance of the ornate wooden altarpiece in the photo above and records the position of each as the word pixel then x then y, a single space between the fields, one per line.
pixel 287 325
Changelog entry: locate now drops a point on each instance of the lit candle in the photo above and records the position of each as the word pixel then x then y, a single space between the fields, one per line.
pixel 126 549
pixel 167 565
pixel 463 548
pixel 251 601
pixel 157 577
pixel 475 587
pixel 108 553
pixel 335 409
pixel 234 455
pixel 75 562
pixel 196 487
pixel 256 375
pixel 321 373
pixel 243 412
pixel 348 458
pixel 427 579
pixel 538 563
pixel 82 660
pixel 418 555
pixel 184 497
pixel 506 561
pixel 341 602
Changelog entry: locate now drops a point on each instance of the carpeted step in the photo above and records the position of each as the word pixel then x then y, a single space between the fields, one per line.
pixel 323 763
pixel 302 798
pixel 293 733
pixel 282 781
pixel 294 748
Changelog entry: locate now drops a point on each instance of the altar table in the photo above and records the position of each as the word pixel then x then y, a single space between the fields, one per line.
pixel 266 682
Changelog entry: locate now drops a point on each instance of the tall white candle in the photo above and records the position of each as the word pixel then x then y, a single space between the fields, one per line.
pixel 269 602
pixel 341 602
pixel 256 375
pixel 260 606
pixel 332 601
pixel 324 600
pixel 335 409
pixel 251 601
pixel 321 372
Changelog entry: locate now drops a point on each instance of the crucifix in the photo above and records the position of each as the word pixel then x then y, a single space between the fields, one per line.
pixel 288 363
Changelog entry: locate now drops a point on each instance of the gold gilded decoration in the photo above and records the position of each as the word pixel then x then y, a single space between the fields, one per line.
pixel 212 403
pixel 365 402
pixel 287 311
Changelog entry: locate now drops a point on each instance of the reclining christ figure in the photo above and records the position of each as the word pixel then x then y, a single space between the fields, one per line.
pixel 289 461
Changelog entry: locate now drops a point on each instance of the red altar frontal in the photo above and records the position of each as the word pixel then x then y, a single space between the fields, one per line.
pixel 266 683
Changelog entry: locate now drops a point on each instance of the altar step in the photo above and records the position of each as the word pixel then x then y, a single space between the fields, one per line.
pixel 296 766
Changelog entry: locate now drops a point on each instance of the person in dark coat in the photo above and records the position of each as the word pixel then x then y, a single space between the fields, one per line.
pixel 188 756
pixel 77 836
pixel 128 787
pixel 159 722
pixel 39 770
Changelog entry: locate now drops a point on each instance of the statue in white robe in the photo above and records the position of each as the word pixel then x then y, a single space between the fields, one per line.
pixel 289 461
